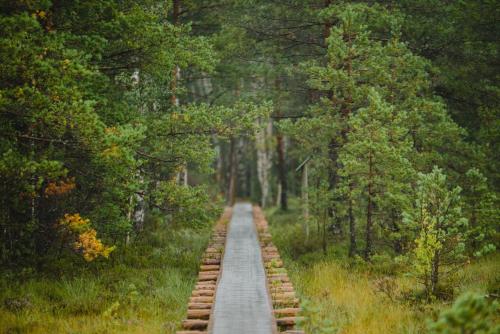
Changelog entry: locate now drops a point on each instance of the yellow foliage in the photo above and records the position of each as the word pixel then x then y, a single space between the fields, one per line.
pixel 86 237
pixel 74 222
pixel 112 152
pixel 111 130
pixel 90 246
pixel 60 187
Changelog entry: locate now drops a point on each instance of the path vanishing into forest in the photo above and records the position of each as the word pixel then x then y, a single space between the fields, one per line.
pixel 242 286
pixel 242 303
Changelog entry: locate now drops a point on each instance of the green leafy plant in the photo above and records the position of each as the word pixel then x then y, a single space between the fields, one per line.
pixel 470 314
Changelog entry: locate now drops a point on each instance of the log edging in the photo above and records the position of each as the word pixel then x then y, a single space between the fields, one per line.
pixel 200 307
pixel 284 301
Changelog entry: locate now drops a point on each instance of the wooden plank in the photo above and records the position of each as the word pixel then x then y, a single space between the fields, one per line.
pixel 195 324
pixel 198 314
pixel 201 299
pixel 285 312
pixel 199 306
pixel 289 321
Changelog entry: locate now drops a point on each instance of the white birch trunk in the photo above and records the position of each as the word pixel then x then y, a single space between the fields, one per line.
pixel 264 157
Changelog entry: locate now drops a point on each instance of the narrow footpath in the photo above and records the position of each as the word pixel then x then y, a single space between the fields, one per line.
pixel 242 285
pixel 242 303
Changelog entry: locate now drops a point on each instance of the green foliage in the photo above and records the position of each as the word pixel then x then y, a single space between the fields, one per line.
pixel 471 313
pixel 145 288
pixel 440 225
pixel 85 95
pixel 482 213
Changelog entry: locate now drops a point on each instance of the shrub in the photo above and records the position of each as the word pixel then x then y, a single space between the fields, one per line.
pixel 470 314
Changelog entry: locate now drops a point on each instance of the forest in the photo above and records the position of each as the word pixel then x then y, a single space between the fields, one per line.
pixel 367 131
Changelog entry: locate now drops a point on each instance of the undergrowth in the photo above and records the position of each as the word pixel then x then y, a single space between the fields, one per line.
pixel 141 289
pixel 350 296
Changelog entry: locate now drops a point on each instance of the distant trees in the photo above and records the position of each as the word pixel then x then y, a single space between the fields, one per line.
pixel 87 124
pixel 96 120
pixel 379 136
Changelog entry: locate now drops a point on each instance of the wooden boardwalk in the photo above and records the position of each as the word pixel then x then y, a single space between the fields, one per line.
pixel 243 287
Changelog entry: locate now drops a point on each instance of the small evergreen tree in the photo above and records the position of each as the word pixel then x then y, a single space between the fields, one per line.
pixel 374 159
pixel 440 226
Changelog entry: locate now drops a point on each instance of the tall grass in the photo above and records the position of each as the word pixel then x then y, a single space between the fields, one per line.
pixel 350 296
pixel 145 290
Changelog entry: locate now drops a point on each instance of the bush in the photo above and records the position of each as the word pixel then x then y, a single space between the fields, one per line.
pixel 471 313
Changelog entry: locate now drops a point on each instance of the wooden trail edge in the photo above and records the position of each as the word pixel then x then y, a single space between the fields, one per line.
pixel 200 306
pixel 285 303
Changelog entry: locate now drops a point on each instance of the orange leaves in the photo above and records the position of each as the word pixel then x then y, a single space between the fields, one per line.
pixel 60 187
pixel 86 237
pixel 74 223
pixel 90 246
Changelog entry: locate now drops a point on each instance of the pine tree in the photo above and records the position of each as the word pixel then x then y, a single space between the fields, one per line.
pixel 440 225
pixel 374 160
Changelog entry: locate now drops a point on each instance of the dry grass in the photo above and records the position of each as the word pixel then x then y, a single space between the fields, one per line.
pixel 343 296
pixel 349 302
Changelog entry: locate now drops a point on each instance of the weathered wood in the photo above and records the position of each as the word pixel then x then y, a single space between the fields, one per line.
pixel 278 278
pixel 281 289
pixel 194 324
pixel 212 272
pixel 206 283
pixel 199 306
pixel 286 302
pixel 283 295
pixel 205 287
pixel 209 267
pixel 289 321
pixel 201 299
pixel 197 293
pixel 202 277
pixel 286 312
pixel 211 261
pixel 198 314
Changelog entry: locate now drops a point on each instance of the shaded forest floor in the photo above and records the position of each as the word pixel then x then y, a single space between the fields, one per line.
pixel 143 289
pixel 350 296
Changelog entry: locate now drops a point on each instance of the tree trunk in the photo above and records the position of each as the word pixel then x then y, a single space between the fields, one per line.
pixel 176 70
pixel 435 273
pixel 232 173
pixel 473 225
pixel 352 226
pixel 305 199
pixel 397 244
pixel 182 176
pixel 325 218
pixel 219 179
pixel 280 147
pixel 264 155
pixel 282 172
pixel 369 210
